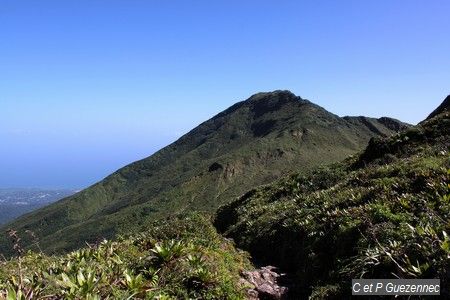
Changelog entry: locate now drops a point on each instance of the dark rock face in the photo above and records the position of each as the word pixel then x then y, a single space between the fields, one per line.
pixel 215 166
pixel 265 284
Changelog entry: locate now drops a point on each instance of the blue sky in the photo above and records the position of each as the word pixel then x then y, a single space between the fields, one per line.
pixel 89 86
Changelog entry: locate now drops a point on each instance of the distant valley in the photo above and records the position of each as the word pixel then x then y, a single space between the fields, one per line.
pixel 15 202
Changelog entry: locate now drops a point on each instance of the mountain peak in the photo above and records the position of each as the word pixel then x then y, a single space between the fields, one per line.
pixel 264 96
pixel 263 102
pixel 274 98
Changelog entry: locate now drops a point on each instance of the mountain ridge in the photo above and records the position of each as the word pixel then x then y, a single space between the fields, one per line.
pixel 444 106
pixel 251 143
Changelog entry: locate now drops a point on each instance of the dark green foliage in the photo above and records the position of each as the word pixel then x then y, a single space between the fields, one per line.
pixel 183 258
pixel 383 214
pixel 252 143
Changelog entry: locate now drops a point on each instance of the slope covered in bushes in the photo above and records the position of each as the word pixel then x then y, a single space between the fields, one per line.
pixel 382 214
pixel 179 259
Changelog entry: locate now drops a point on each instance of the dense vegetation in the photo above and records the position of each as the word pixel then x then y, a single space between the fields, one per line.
pixel 251 143
pixel 382 214
pixel 178 259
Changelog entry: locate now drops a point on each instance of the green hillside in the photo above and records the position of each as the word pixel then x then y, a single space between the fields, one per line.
pixel 251 143
pixel 381 214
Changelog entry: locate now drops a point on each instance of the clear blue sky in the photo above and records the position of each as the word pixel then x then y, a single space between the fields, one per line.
pixel 87 86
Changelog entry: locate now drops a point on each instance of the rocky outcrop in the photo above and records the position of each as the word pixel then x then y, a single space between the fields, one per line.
pixel 263 284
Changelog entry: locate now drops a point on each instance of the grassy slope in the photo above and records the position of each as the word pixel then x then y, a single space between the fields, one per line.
pixel 251 143
pixel 181 259
pixel 382 214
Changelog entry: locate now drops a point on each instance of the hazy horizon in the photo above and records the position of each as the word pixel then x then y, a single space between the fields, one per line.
pixel 89 86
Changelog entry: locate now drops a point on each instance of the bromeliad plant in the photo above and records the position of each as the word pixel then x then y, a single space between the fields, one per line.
pixel 171 261
pixel 168 250
pixel 81 285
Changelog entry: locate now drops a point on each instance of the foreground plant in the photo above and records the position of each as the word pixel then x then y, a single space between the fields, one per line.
pixel 157 264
